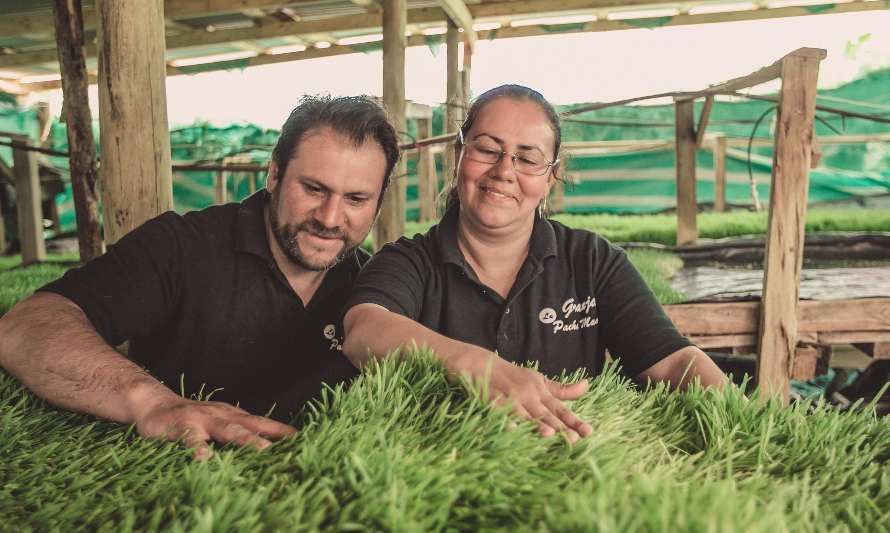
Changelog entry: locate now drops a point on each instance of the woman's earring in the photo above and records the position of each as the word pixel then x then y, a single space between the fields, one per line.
pixel 541 208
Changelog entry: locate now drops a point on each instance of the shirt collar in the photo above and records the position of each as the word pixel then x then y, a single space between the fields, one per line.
pixel 250 226
pixel 541 245
pixel 251 236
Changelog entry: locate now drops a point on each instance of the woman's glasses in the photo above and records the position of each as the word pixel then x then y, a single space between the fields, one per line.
pixel 528 162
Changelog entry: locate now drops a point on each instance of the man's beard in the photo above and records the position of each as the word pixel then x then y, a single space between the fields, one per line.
pixel 286 235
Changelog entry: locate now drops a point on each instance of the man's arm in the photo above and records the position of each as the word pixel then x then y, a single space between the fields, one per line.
pixel 47 342
pixel 684 365
pixel 373 331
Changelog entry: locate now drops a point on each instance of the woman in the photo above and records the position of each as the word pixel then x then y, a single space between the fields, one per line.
pixel 496 283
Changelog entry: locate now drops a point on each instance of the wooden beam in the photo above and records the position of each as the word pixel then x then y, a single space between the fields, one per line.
pixel 868 316
pixel 453 109
pixel 220 184
pixel 459 14
pixel 135 142
pixel 28 197
pixel 719 151
pixel 24 24
pixel 684 139
pixel 703 120
pixel 467 68
pixel 371 23
pixel 787 215
pixel 79 120
pixel 427 180
pixel 391 222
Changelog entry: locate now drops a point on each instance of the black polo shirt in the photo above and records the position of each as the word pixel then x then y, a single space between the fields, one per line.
pixel 206 309
pixel 575 296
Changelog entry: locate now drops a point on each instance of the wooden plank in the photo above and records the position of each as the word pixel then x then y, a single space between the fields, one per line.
pixel 703 120
pixel 817 317
pixel 724 341
pixel 685 143
pixel 137 181
pixel 220 184
pixel 40 22
pixel 785 234
pixel 82 162
pixel 369 23
pixel 857 314
pixel 805 363
pixel 708 319
pixel 467 68
pixel 426 175
pixel 391 222
pixel 459 14
pixel 28 204
pixel 719 152
pixel 251 182
pixel 853 337
pixel 453 111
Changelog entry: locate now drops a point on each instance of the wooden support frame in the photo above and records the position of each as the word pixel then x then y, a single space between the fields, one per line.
pixel 685 141
pixel 458 13
pixel 78 117
pixel 703 120
pixel 220 184
pixel 453 110
pixel 719 151
pixel 137 180
pixel 427 180
pixel 391 222
pixel 28 203
pixel 785 233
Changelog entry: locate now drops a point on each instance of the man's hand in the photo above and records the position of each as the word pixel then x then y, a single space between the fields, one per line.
pixel 197 423
pixel 526 391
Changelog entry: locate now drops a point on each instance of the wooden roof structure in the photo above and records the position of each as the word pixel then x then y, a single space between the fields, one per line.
pixel 205 35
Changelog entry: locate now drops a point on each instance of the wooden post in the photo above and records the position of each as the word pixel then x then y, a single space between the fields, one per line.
pixel 685 143
pixel 220 190
pixel 391 222
pixel 76 113
pixel 719 173
pixel 453 117
pixel 27 201
pixel 465 80
pixel 787 213
pixel 251 182
pixel 427 182
pixel 137 178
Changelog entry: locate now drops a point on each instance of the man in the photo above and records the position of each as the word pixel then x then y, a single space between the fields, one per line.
pixel 240 303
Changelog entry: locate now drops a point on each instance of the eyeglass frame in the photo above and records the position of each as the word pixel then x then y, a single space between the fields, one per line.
pixel 513 156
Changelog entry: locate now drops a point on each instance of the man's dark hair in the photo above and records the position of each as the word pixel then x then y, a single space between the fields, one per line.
pixel 357 118
pixel 514 92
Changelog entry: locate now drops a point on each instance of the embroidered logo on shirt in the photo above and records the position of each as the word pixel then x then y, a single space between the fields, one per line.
pixel 330 333
pixel 576 315
pixel 547 315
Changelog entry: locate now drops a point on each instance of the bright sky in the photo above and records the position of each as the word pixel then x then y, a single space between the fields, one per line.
pixel 584 67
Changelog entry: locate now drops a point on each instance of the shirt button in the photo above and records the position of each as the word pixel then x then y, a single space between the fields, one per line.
pixel 507 311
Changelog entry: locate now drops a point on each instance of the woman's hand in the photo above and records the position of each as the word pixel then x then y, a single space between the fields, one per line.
pixel 528 392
